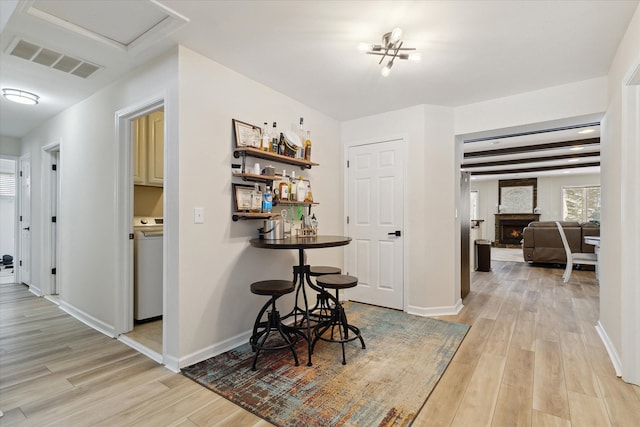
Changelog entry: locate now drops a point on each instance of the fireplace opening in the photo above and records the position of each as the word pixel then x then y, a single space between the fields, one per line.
pixel 511 231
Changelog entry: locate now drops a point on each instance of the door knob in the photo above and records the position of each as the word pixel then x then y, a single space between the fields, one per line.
pixel 27 228
pixel 395 233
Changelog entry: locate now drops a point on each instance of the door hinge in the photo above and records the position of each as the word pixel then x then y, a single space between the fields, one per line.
pixel 53 271
pixel 20 218
pixel 53 219
pixel 20 174
pixel 347 164
pixel 54 167
pixel 347 219
pixel 130 236
pixel 20 263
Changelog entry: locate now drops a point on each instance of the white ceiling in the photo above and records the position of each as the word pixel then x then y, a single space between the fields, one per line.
pixel 471 50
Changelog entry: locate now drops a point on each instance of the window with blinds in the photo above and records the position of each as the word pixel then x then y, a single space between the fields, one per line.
pixel 7 184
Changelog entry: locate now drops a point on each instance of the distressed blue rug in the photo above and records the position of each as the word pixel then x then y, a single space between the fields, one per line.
pixel 385 384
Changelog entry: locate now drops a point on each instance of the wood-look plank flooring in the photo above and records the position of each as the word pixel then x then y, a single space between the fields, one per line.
pixel 531 358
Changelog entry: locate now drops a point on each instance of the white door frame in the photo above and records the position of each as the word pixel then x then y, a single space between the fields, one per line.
pixel 124 212
pixel 25 158
pixel 48 194
pixel 406 228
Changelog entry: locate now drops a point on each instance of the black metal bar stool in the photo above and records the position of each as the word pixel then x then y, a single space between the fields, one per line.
pixel 263 328
pixel 338 318
pixel 322 310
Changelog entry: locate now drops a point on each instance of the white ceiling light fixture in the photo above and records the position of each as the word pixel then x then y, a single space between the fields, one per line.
pixel 391 47
pixel 20 96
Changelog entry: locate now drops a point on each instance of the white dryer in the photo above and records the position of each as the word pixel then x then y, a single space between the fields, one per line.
pixel 147 265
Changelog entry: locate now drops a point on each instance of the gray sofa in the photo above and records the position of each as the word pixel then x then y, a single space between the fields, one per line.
pixel 541 241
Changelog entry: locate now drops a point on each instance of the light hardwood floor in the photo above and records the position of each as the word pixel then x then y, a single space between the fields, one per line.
pixel 531 358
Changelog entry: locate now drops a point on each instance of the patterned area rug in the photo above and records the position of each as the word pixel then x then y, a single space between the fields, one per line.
pixel 385 384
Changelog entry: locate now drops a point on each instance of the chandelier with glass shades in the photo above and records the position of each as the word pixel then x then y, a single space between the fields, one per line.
pixel 392 48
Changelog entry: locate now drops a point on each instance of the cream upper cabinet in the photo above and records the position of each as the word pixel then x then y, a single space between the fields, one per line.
pixel 148 165
pixel 155 148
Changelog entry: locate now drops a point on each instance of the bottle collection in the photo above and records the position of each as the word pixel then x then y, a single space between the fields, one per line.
pixel 287 189
pixel 278 195
pixel 285 143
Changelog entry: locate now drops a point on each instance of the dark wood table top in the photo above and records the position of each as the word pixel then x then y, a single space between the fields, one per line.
pixel 301 242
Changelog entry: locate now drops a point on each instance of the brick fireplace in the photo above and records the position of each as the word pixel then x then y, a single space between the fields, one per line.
pixel 509 228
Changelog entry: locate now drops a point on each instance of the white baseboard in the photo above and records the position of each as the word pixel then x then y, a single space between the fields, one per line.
pixel 214 350
pixel 435 311
pixel 157 357
pixel 98 325
pixel 35 290
pixel 611 350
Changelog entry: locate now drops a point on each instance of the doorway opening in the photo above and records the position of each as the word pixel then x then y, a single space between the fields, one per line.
pixel 141 169
pixel 8 214
pixel 50 249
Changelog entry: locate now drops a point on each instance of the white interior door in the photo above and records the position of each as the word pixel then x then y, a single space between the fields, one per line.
pixel 375 196
pixel 24 264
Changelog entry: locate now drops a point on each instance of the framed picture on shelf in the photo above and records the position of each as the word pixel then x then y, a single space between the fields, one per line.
pixel 246 135
pixel 242 197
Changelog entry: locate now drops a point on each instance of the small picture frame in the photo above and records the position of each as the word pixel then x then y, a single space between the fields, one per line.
pixel 246 135
pixel 242 197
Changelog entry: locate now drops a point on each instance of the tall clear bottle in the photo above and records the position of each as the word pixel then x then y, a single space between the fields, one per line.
pixel 302 135
pixel 255 205
pixel 293 189
pixel 307 147
pixel 265 141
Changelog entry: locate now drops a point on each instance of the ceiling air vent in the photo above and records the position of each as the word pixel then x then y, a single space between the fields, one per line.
pixel 52 59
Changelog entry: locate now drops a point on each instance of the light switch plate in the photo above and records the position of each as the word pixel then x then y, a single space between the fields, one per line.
pixel 198 215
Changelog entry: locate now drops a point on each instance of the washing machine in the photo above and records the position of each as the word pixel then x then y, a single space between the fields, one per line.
pixel 147 266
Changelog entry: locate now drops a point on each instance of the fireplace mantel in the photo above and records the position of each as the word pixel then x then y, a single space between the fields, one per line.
pixel 509 228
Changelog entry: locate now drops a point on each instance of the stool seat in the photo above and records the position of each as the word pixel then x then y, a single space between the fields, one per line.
pixel 272 287
pixel 337 281
pixel 321 270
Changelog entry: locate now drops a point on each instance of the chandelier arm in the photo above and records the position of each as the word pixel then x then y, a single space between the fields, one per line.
pixel 386 53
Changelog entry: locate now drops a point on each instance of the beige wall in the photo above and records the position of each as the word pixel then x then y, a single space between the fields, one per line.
pixel 430 280
pixel 217 264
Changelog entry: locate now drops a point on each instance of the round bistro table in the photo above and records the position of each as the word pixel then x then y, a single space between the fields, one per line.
pixel 301 271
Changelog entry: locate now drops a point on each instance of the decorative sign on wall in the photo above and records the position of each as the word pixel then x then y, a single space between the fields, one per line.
pixel 517 199
pixel 517 196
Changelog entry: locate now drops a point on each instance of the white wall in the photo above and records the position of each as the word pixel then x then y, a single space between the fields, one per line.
pixel 88 211
pixel 619 213
pixel 217 264
pixel 430 281
pixel 9 145
pixel 549 197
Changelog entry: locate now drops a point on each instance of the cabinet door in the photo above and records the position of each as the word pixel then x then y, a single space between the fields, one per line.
pixel 155 149
pixel 140 151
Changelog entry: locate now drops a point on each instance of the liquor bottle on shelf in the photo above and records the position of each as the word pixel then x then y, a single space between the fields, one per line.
pixel 309 196
pixel 274 139
pixel 281 144
pixel 284 186
pixel 293 189
pixel 307 147
pixel 301 134
pixel 265 141
pixel 267 200
pixel 301 191
pixel 256 200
